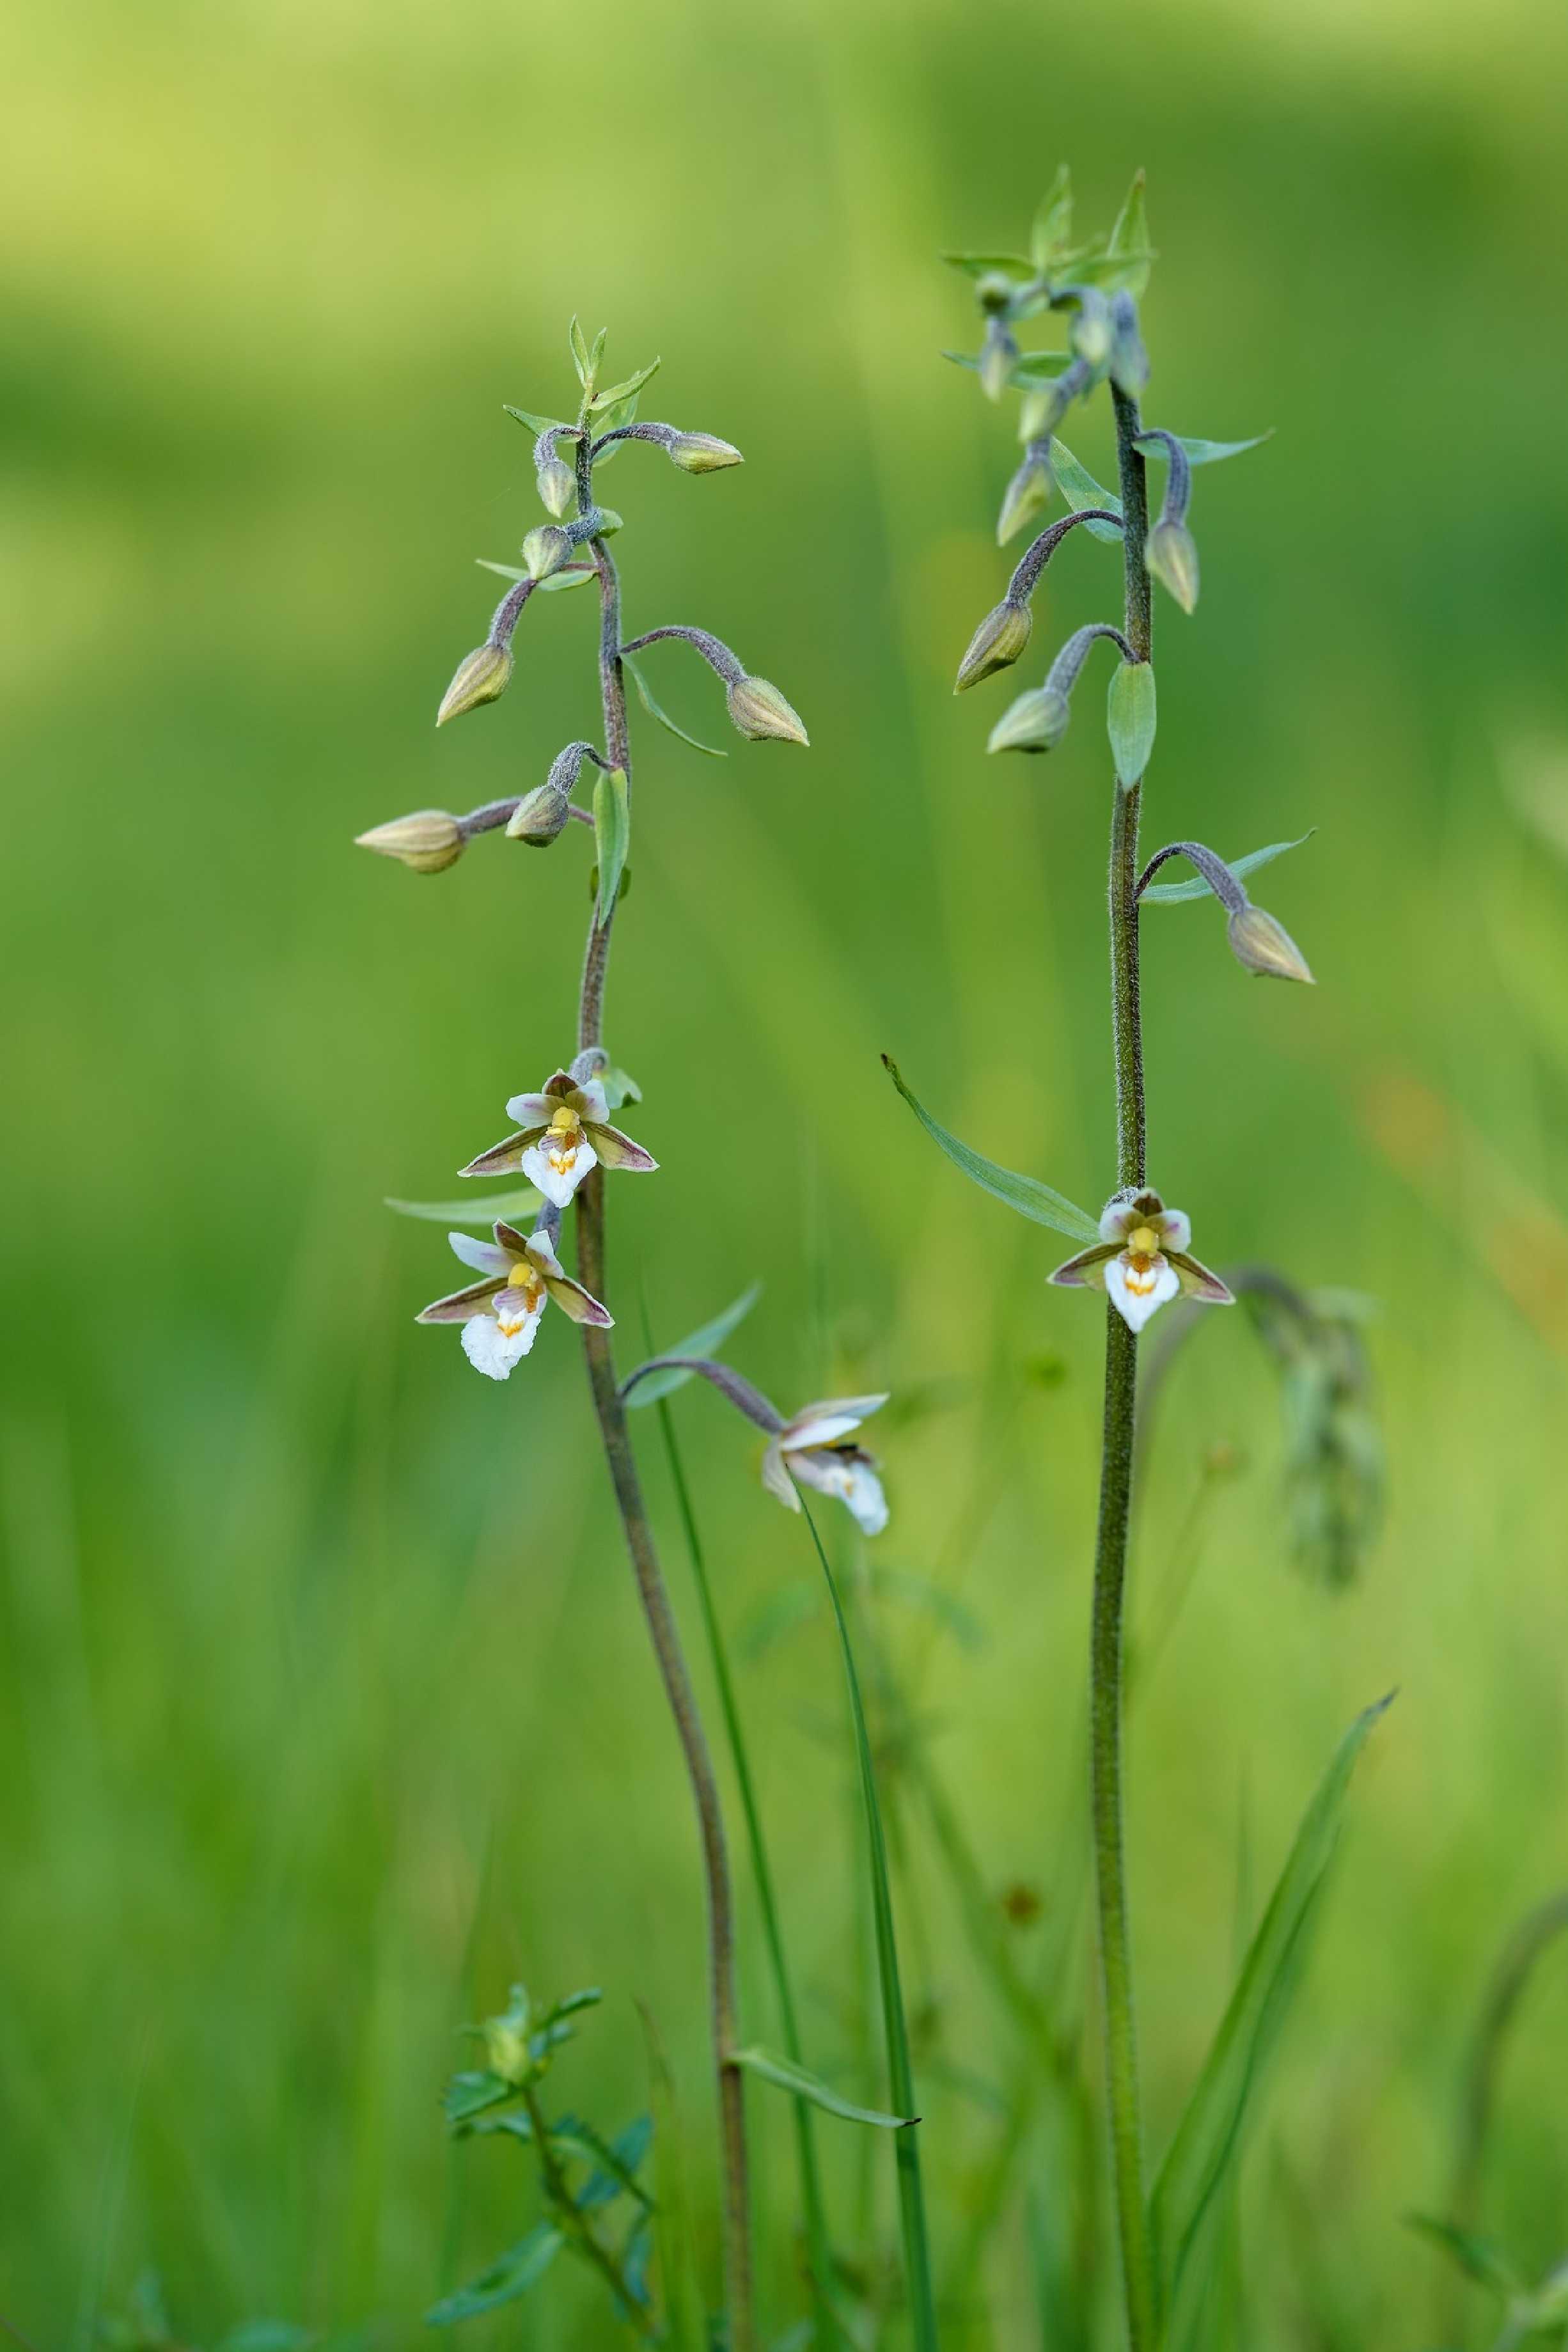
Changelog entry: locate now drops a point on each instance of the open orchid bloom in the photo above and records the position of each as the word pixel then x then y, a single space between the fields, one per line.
pixel 501 1314
pixel 814 1449
pixel 563 1132
pixel 1142 1260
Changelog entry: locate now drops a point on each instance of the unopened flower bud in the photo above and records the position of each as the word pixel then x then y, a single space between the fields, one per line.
pixel 1264 947
pixel 1172 554
pixel 1036 722
pixel 761 714
pixel 1091 332
pixel 702 453
pixel 481 677
pixel 426 841
pixel 509 2043
pixel 1027 493
pixel 545 550
pixel 998 354
pixel 540 817
pixel 995 644
pixel 557 485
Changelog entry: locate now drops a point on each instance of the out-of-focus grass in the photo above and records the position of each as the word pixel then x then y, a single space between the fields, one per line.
pixel 324 1707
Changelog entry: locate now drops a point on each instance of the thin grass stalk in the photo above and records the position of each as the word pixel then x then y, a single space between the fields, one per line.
pixel 819 2254
pixel 901 2074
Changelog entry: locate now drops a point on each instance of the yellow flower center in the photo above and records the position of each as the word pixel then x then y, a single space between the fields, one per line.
pixel 1143 1241
pixel 563 1141
pixel 522 1278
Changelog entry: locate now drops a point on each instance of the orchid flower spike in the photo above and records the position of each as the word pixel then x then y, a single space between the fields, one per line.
pixel 501 1314
pixel 1141 1259
pixel 814 1449
pixel 562 1134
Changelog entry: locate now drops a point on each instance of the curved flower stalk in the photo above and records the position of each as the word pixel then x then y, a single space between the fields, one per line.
pixel 563 1141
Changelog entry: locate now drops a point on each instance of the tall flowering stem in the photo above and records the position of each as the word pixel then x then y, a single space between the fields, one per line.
pixel 1106 1660
pixel 651 1588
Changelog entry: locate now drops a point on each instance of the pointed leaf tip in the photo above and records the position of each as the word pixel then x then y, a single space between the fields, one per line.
pixel 1039 1203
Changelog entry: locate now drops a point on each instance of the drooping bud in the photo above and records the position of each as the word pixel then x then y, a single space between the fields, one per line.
pixel 1036 722
pixel 557 485
pixel 998 354
pixel 1172 554
pixel 995 644
pixel 481 677
pixel 1265 947
pixel 1028 491
pixel 1091 332
pixel 545 550
pixel 761 714
pixel 540 817
pixel 702 453
pixel 427 843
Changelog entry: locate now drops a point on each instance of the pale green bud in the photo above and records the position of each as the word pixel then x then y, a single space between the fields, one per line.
pixel 1036 722
pixel 998 354
pixel 545 550
pixel 761 714
pixel 481 677
pixel 1028 491
pixel 702 453
pixel 1172 554
pixel 1091 332
pixel 507 2040
pixel 540 817
pixel 426 841
pixel 1265 947
pixel 995 644
pixel 557 485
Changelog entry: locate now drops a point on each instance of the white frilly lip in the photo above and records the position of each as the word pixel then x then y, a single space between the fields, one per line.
pixel 558 1184
pixel 1136 1305
pixel 493 1351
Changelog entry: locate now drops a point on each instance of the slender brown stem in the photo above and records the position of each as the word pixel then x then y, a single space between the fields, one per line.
pixel 1106 1670
pixel 651 1588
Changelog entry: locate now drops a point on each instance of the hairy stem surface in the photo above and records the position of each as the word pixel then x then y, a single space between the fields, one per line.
pixel 651 1588
pixel 1116 1481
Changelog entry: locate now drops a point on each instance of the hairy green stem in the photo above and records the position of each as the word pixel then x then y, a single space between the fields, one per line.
pixel 1116 1483
pixel 651 1588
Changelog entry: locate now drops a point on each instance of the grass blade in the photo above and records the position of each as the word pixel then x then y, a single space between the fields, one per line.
pixel 828 2335
pixel 900 2075
pixel 1208 2138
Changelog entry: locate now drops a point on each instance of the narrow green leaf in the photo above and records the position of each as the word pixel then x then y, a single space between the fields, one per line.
pixel 1478 2258
pixel 801 2084
pixel 1024 1194
pixel 479 1209
pixel 1052 232
pixel 579 358
pixel 610 419
pixel 537 424
pixel 1130 718
pixel 1079 489
pixel 1176 894
pixel 471 2094
pixel 1130 252
pixel 982 265
pixel 657 710
pixel 1208 2138
pixel 1204 453
pixel 1030 371
pixel 570 2003
pixel 706 1340
pixel 616 392
pixel 614 2162
pixel 571 576
pixel 611 834
pixel 505 2280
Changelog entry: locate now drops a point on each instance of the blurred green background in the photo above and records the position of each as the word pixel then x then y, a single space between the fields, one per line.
pixel 324 1706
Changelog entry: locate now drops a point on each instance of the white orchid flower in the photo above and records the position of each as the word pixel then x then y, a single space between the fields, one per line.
pixel 501 1314
pixel 562 1134
pixel 1143 1259
pixel 812 1448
